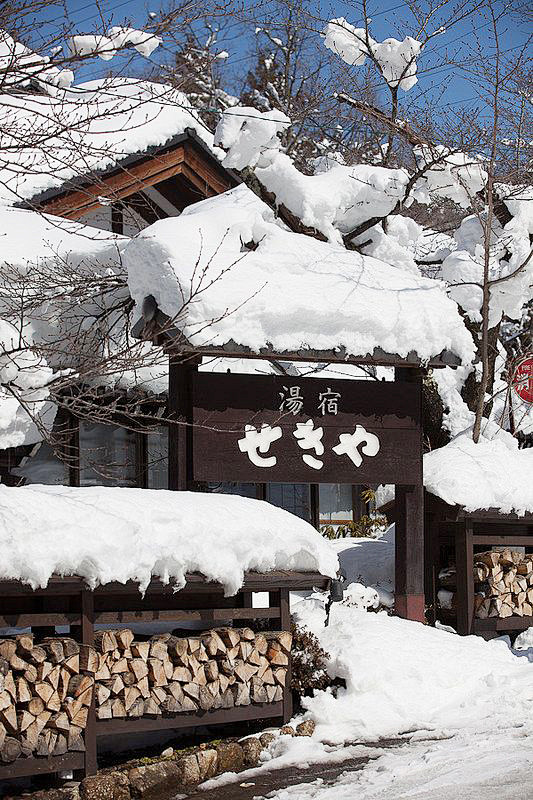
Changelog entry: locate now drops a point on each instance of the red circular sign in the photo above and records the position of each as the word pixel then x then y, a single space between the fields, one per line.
pixel 523 379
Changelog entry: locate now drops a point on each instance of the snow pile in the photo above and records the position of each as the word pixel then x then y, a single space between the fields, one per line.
pixel 250 136
pixel 334 200
pixel 20 66
pixel 30 239
pixel 109 534
pixel 491 474
pixel 25 408
pixel 356 595
pixel 117 39
pixel 47 141
pixel 396 60
pixel 403 676
pixel 338 200
pixel 199 271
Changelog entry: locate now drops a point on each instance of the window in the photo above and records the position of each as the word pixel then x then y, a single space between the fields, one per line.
pixel 107 455
pixel 242 489
pixel 335 503
pixel 43 467
pixel 293 497
pixel 157 456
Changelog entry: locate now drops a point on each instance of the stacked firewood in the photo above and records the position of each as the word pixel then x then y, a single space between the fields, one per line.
pixel 44 696
pixel 222 668
pixel 503 584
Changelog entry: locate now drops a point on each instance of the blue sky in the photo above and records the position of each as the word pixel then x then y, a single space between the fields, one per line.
pixel 441 82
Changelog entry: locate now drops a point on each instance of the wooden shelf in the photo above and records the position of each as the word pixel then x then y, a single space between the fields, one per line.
pixel 505 624
pixel 255 711
pixel 24 767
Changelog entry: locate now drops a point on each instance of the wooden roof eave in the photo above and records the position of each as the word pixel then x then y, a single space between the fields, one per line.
pixel 157 327
pixel 183 154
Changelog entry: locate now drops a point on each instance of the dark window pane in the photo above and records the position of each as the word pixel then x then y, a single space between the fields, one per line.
pixel 107 455
pixel 157 447
pixel 43 467
pixel 242 489
pixel 293 497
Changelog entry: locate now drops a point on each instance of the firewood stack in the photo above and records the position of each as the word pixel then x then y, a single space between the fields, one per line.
pixel 44 696
pixel 222 668
pixel 503 584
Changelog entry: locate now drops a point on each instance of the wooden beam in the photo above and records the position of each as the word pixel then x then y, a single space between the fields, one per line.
pixel 125 182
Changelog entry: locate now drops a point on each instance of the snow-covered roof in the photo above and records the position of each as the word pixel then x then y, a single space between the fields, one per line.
pixel 85 128
pixel 492 474
pixel 27 238
pixel 106 534
pixel 231 277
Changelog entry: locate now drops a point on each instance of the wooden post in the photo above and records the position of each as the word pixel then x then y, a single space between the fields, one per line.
pixel 286 626
pixel 180 432
pixel 464 561
pixel 358 506
pixel 409 553
pixel 141 459
pixel 87 637
pixel 431 560
pixel 314 497
pixel 409 550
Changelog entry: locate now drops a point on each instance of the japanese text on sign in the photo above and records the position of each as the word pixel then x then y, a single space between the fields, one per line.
pixel 257 441
pixel 292 401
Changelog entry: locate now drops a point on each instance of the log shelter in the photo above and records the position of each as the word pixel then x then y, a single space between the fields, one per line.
pixel 67 601
pixel 454 536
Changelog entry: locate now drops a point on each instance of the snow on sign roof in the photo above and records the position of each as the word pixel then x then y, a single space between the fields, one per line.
pixel 290 294
pixel 85 128
pixel 493 474
pixel 106 534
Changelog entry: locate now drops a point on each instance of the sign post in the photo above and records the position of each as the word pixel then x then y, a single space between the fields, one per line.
pixel 263 429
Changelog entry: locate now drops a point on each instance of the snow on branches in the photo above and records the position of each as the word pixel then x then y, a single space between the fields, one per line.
pixel 106 47
pixel 251 137
pixel 396 60
pixel 19 66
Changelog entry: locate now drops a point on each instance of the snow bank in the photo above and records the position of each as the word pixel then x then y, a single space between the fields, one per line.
pixel 29 239
pixel 88 127
pixel 198 269
pixel 403 676
pixel 109 534
pixel 491 474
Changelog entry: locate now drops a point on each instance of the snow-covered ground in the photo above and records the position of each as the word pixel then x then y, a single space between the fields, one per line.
pixel 458 709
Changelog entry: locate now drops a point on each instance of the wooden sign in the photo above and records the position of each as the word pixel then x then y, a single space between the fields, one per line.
pixel 305 430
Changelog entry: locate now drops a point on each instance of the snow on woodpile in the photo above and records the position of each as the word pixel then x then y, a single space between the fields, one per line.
pixel 229 273
pixel 491 474
pixel 109 534
pixel 91 126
